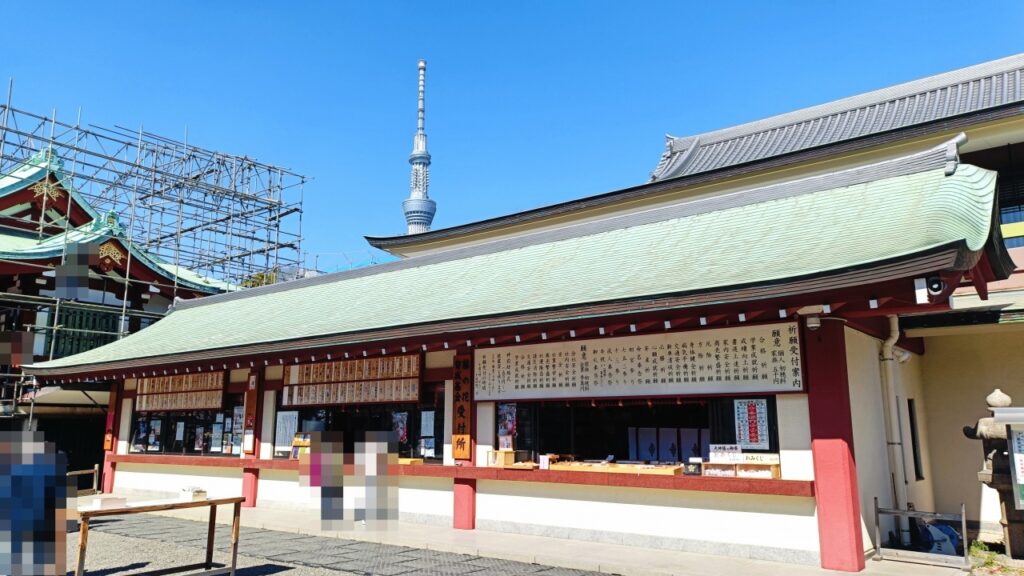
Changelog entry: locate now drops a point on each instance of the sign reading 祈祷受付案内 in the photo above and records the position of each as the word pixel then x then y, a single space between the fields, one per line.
pixel 759 358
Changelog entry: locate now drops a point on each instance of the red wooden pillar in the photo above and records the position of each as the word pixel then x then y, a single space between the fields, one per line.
pixel 253 424
pixel 464 439
pixel 110 437
pixel 465 503
pixel 835 472
pixel 250 484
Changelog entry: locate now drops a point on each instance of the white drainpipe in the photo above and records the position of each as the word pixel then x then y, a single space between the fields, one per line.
pixel 893 423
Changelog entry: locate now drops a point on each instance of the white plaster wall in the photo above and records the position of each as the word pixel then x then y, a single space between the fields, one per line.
pixel 169 479
pixel 485 431
pixel 867 409
pixel 739 524
pixel 280 489
pixel 124 430
pixel 268 425
pixel 794 437
pixel 428 500
pixel 240 375
pixel 919 492
pixel 449 406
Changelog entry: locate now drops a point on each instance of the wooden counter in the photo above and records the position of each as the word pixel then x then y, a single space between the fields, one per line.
pixel 616 468
pixel 801 488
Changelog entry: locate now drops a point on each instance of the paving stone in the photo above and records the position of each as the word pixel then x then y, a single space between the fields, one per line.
pixel 306 558
pixel 563 572
pixel 340 556
pixel 371 556
pixel 504 571
pixel 508 566
pixel 442 565
pixel 371 567
pixel 417 553
pixel 375 554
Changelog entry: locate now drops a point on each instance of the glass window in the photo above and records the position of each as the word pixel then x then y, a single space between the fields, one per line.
pixel 915 441
pixel 193 432
pixel 419 427
pixel 1011 203
pixel 661 430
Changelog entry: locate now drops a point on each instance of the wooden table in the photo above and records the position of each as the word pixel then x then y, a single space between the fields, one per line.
pixel 87 515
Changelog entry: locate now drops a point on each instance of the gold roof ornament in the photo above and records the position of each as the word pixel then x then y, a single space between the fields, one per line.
pixel 110 251
pixel 51 189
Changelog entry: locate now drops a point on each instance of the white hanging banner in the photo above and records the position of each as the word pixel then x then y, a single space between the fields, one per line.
pixel 760 358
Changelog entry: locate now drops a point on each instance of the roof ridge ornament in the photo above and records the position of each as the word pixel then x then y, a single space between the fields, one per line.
pixel 677 155
pixel 666 157
pixel 953 153
pixel 46 157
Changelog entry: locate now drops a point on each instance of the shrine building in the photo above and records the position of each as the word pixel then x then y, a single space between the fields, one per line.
pixel 791 318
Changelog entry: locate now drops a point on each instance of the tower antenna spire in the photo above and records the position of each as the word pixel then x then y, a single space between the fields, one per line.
pixel 421 108
pixel 419 209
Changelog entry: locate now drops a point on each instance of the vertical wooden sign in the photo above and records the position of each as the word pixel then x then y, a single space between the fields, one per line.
pixel 462 407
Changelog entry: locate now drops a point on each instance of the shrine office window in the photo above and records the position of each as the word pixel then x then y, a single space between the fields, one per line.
pixel 1011 207
pixel 915 441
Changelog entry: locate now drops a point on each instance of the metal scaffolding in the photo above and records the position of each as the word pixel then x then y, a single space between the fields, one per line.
pixel 221 215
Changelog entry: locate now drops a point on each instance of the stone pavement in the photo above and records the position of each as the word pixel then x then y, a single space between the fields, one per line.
pixel 527 550
pixel 281 549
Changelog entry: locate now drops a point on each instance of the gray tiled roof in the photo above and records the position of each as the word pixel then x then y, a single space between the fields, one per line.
pixel 970 89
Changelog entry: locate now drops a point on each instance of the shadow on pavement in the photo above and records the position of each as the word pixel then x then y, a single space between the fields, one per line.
pixel 116 570
pixel 261 570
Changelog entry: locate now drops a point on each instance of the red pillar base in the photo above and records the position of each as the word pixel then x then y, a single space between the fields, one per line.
pixel 839 520
pixel 108 474
pixel 835 472
pixel 465 504
pixel 250 484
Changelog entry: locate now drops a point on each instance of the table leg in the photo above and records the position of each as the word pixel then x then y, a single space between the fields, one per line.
pixel 209 537
pixel 83 540
pixel 235 526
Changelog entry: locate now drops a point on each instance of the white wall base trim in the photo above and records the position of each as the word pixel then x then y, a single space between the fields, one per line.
pixel 774 554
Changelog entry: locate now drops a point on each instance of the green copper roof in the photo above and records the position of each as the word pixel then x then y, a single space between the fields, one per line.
pixel 811 226
pixel 24 246
pixel 34 170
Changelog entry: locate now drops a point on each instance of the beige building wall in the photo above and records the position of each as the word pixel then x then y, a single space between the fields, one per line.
pixel 910 386
pixel 958 371
pixel 866 408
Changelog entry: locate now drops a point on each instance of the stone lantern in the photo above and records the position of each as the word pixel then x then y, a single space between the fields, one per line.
pixel 997 475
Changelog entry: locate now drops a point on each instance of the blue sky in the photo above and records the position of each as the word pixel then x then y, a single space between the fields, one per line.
pixel 528 103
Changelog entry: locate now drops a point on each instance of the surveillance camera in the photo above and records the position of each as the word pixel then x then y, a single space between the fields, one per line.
pixel 813 322
pixel 935 285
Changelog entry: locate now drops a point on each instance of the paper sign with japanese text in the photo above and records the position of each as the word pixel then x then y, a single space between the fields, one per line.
pixel 462 407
